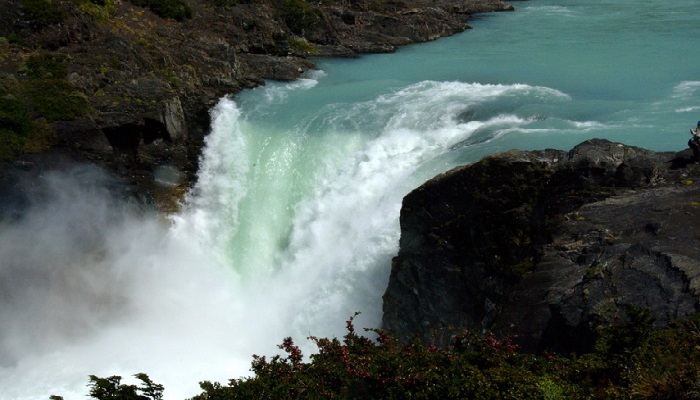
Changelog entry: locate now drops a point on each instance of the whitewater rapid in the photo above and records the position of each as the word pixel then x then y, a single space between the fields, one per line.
pixel 289 230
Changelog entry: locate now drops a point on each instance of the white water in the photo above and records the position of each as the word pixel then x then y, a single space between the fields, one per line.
pixel 294 219
pixel 287 232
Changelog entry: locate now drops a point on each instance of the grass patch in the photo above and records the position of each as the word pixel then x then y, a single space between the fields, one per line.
pixel 301 46
pixel 101 10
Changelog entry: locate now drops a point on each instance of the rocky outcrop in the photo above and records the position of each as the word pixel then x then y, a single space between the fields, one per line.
pixel 549 245
pixel 150 81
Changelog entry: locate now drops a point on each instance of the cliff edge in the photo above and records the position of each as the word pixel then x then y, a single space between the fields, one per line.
pixel 548 244
pixel 128 84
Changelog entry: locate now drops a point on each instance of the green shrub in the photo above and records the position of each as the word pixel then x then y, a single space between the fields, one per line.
pixel 475 367
pixel 667 364
pixel 102 10
pixel 299 16
pixel 14 38
pixel 14 119
pixel 662 364
pixel 178 10
pixel 11 143
pixel 42 13
pixel 49 92
pixel 28 106
pixel 18 131
pixel 302 46
pixel 13 114
pixel 56 99
pixel 112 389
pixel 46 66
pixel 4 48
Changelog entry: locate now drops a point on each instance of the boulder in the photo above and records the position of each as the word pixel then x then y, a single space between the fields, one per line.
pixel 548 244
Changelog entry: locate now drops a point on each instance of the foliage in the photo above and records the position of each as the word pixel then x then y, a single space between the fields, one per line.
pixel 667 364
pixel 302 46
pixel 4 48
pixel 18 132
pixel 102 10
pixel 475 367
pixel 41 13
pixel 46 66
pixel 28 106
pixel 299 16
pixel 50 92
pixel 14 120
pixel 630 361
pixel 178 10
pixel 111 388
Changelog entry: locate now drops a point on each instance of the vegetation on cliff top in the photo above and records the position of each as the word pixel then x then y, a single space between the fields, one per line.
pixel 27 105
pixel 35 41
pixel 630 361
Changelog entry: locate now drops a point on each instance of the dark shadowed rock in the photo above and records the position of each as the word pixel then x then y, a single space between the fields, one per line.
pixel 548 244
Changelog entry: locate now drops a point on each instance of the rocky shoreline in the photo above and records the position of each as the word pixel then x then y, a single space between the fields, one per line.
pixel 147 82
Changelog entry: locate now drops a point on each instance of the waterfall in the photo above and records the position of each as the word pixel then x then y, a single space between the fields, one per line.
pixel 289 230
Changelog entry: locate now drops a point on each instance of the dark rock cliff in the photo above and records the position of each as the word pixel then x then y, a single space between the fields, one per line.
pixel 548 244
pixel 139 86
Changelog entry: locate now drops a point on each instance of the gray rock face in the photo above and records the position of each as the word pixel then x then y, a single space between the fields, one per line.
pixel 548 245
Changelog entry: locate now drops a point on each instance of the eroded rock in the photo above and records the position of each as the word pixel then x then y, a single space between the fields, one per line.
pixel 548 244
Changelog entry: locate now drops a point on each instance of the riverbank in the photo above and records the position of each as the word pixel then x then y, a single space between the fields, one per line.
pixel 129 88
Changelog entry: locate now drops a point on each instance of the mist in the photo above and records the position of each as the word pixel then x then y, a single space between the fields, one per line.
pixel 289 230
pixel 92 281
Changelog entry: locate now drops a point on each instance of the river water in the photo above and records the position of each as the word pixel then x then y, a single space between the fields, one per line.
pixel 294 219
